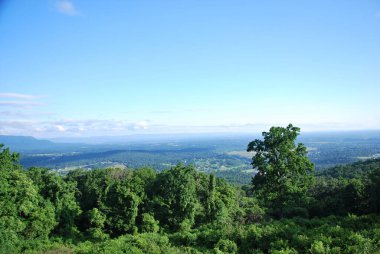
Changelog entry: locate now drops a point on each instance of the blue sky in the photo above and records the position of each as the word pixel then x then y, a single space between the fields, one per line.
pixel 88 68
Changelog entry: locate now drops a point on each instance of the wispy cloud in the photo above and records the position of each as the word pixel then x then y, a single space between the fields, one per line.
pixel 19 100
pixel 72 127
pixel 66 7
pixel 18 96
pixel 21 113
pixel 160 112
pixel 19 104
pixel 104 127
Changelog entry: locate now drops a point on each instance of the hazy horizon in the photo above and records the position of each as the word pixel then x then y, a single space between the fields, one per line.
pixel 167 137
pixel 82 69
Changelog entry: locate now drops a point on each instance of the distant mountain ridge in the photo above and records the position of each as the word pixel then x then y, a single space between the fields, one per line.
pixel 28 144
pixel 147 138
pixel 23 140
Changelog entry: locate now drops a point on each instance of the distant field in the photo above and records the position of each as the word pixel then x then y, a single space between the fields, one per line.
pixel 226 156
pixel 244 154
pixel 374 156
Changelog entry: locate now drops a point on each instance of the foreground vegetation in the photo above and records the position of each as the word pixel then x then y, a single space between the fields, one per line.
pixel 287 209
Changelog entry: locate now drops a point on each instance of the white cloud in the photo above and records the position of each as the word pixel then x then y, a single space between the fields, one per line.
pixel 103 127
pixel 141 125
pixel 18 96
pixel 18 100
pixel 12 113
pixel 19 104
pixel 72 127
pixel 66 7
pixel 60 128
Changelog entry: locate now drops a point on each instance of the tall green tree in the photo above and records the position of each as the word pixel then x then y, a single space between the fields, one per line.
pixel 24 214
pixel 8 160
pixel 283 170
pixel 210 201
pixel 121 204
pixel 175 200
pixel 374 191
pixel 61 194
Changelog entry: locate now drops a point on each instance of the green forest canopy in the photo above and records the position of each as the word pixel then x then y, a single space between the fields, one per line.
pixel 288 209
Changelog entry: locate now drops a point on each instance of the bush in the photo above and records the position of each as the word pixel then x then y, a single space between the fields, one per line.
pixel 226 246
pixel 149 224
pixel 317 247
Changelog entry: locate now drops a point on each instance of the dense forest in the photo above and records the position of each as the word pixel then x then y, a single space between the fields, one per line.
pixel 288 208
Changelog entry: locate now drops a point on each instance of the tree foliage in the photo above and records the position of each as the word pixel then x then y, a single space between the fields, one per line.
pixel 283 169
pixel 181 210
pixel 24 213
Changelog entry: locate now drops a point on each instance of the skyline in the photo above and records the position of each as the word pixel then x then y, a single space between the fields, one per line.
pixel 85 68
